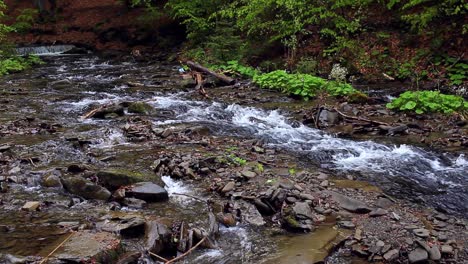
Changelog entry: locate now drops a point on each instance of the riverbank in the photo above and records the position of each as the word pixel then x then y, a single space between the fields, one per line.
pixel 268 177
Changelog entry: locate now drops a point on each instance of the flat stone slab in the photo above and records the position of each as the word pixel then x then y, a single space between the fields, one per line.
pixel 85 246
pixel 350 204
pixel 148 191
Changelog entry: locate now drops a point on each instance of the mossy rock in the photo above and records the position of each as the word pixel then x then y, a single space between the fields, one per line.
pixel 115 178
pixel 140 108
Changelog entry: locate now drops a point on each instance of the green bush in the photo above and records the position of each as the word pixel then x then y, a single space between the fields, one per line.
pixel 236 67
pixel 304 85
pixel 17 64
pixel 428 102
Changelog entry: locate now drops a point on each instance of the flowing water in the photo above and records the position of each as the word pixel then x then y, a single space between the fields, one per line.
pixel 61 91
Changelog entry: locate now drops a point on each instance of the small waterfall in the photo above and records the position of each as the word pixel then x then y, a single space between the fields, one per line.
pixel 44 50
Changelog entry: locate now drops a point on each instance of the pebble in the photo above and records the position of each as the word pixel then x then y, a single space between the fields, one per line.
pixel 421 232
pixel 442 237
pixel 30 206
pixel 391 255
pixel 291 200
pixel 346 224
pixel 228 187
pixel 378 212
pixel 383 203
pixel 447 249
pixel 434 253
pixel 418 255
pixel 324 183
pixel 248 174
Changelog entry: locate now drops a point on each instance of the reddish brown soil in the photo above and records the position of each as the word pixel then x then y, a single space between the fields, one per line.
pixel 100 24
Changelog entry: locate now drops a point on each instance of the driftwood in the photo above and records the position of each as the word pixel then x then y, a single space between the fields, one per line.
pixel 361 119
pixel 222 77
pixel 199 87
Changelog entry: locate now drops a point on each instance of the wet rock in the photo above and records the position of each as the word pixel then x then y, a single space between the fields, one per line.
pixel 31 206
pixel 434 253
pixel 347 224
pixel 52 181
pixel 108 111
pixel 129 258
pixel 302 210
pixel 119 194
pixel 85 188
pixel 129 225
pixel 69 225
pixel 378 212
pixel 418 255
pixel 114 179
pixel 228 187
pixel 391 255
pixel 134 203
pixel 421 232
pixel 140 108
pixel 349 204
pixel 11 259
pixel 4 228
pixel 77 168
pixel 262 207
pixel 442 237
pixel 87 247
pixel 3 187
pixel 148 192
pixel 157 236
pixel 227 219
pixel 441 217
pixel 329 117
pixel 250 214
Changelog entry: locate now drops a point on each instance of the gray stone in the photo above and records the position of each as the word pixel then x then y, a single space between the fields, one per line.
pixel 125 224
pixel 442 237
pixel 86 188
pixel 384 203
pixel 134 203
pixel 434 253
pixel 349 204
pixel 251 215
pixel 347 224
pixel 302 210
pixel 157 236
pixel 418 255
pixel 391 255
pixel 378 212
pixel 30 206
pixel 324 183
pixel 114 179
pixel 228 187
pixel 52 181
pixel 248 174
pixel 148 192
pixel 421 232
pixel 84 246
pixel 447 249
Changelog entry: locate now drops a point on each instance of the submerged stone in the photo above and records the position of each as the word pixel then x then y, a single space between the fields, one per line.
pixel 140 108
pixel 114 179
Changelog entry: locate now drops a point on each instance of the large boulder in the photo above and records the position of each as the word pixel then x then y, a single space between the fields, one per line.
pixel 140 108
pixel 115 178
pixel 86 189
pixel 148 191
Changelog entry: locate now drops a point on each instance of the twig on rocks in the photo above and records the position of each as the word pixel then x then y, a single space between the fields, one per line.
pixel 186 253
pixel 53 251
pixel 159 257
pixel 361 119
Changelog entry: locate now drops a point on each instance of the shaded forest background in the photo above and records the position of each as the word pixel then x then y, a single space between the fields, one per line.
pixel 407 40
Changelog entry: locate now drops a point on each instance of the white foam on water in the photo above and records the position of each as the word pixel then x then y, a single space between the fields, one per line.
pixel 110 139
pixel 174 187
pixel 345 154
pixel 210 254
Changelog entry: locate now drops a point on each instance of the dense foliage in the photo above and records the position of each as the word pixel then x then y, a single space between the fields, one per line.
pixel 8 61
pixel 304 85
pixel 428 102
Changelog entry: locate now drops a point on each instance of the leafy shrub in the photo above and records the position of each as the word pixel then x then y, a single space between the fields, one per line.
pixel 304 85
pixel 17 64
pixel 428 101
pixel 236 67
pixel 25 20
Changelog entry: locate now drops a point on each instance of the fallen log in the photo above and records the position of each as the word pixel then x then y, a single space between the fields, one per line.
pixel 222 77
pixel 361 119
